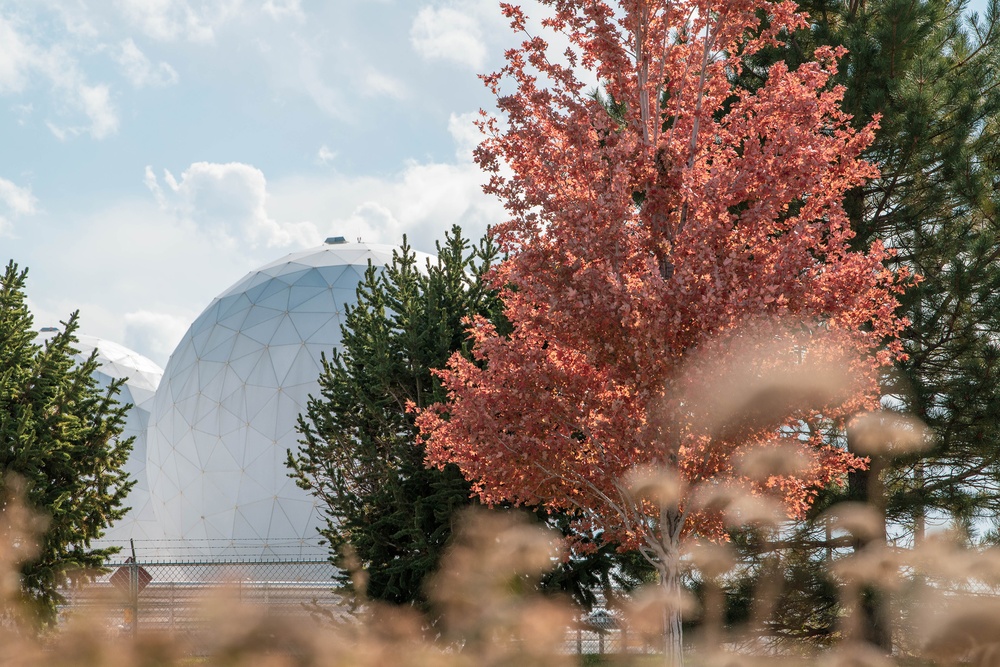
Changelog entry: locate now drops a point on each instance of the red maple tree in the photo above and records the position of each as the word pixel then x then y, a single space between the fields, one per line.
pixel 650 228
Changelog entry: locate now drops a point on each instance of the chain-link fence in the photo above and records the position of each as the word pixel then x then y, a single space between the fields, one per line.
pixel 168 596
pixel 584 640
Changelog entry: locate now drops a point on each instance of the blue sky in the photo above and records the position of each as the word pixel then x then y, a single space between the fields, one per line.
pixel 154 151
pixel 157 150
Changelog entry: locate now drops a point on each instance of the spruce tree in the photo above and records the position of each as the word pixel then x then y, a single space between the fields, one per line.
pixel 359 452
pixel 59 435
pixel 931 72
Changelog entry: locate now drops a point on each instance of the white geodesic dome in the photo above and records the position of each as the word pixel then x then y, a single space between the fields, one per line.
pixel 142 376
pixel 226 411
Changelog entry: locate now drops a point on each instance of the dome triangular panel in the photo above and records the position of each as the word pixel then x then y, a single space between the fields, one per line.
pixel 309 324
pixel 260 314
pixel 312 278
pixel 322 303
pixel 270 289
pixel 298 295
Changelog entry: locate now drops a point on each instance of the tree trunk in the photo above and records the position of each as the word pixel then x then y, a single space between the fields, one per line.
pixel 673 637
pixel 919 510
pixel 668 568
pixel 866 486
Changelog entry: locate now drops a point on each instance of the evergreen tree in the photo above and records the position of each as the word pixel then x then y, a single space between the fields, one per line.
pixel 931 72
pixel 359 454
pixel 58 433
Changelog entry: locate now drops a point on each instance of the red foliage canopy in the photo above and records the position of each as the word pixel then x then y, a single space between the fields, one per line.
pixel 647 231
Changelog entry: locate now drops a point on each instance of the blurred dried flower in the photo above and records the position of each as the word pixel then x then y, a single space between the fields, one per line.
pixel 874 565
pixel 859 519
pixel 759 511
pixel 720 657
pixel 541 625
pixel 738 507
pixel 945 556
pixel 19 530
pixel 493 615
pixel 486 587
pixel 359 578
pixel 710 558
pixel 781 369
pixel 961 629
pixel 646 611
pixel 714 498
pixel 856 654
pixel 774 459
pixel 660 485
pixel 888 433
pixel 984 565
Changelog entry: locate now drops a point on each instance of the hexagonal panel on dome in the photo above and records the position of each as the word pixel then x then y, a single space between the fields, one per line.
pixel 226 412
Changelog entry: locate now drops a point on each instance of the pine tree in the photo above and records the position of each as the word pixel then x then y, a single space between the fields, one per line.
pixel 359 454
pixel 58 433
pixel 931 73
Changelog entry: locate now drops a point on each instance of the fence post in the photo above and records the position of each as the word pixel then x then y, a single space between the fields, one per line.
pixel 133 589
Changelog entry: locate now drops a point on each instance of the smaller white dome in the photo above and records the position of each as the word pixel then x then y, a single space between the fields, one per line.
pixel 142 376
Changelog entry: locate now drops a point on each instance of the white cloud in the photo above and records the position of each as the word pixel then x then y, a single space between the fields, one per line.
pixel 138 275
pixel 376 83
pixel 422 201
pixel 327 98
pixel 169 20
pixel 155 334
pixel 314 80
pixel 16 56
pixel 374 218
pixel 15 201
pixel 20 58
pixel 466 135
pixel 142 269
pixel 472 33
pixel 229 202
pixel 151 182
pixel 19 200
pixel 448 33
pixel 190 20
pixel 95 101
pixel 325 156
pixel 279 9
pixel 138 69
pixel 22 112
pixel 60 133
